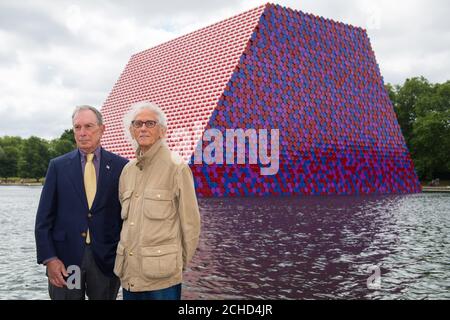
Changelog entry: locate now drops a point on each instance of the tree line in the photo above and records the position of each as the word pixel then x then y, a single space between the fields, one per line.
pixel 29 158
pixel 422 108
pixel 423 112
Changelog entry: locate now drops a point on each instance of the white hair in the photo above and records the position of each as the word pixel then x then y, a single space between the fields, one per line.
pixel 135 109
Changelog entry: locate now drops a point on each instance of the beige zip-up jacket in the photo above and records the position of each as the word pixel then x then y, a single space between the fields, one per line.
pixel 161 220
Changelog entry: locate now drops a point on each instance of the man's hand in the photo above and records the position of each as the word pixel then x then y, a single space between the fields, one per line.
pixel 56 271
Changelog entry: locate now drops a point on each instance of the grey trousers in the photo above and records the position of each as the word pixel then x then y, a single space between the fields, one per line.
pixel 94 283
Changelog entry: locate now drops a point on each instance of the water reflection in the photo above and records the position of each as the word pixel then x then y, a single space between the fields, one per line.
pixel 279 248
pixel 20 276
pixel 321 248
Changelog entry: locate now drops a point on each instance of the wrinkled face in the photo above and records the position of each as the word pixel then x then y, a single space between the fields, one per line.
pixel 144 136
pixel 87 131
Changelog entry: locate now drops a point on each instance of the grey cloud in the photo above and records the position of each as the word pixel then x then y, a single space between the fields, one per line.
pixel 8 59
pixel 146 10
pixel 43 123
pixel 45 74
pixel 419 41
pixel 32 24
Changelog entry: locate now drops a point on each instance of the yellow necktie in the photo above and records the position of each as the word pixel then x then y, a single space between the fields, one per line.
pixel 90 185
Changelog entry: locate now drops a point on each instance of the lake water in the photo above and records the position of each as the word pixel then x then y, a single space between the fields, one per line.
pixel 279 248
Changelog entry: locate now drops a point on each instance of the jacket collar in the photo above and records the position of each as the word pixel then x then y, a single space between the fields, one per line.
pixel 146 158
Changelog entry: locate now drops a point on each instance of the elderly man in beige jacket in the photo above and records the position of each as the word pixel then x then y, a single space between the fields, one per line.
pixel 161 220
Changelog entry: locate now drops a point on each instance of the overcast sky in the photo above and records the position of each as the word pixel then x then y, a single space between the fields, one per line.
pixel 57 54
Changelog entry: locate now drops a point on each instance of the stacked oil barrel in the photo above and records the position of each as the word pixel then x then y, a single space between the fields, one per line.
pixel 314 80
pixel 318 83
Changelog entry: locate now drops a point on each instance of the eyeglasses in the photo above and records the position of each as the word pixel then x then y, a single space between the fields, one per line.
pixel 149 123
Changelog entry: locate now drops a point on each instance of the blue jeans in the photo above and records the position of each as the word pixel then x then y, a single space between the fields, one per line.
pixel 171 293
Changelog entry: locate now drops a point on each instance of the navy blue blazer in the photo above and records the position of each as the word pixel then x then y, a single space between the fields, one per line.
pixel 63 216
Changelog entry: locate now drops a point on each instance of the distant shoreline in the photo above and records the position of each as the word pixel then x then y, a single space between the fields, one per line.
pixel 425 189
pixel 444 189
pixel 25 184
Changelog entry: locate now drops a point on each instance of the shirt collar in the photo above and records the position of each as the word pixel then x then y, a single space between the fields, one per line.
pixel 96 153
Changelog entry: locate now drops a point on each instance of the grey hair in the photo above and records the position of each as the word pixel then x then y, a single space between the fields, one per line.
pixel 94 110
pixel 134 111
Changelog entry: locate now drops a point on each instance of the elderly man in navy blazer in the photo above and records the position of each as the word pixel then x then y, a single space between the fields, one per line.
pixel 78 221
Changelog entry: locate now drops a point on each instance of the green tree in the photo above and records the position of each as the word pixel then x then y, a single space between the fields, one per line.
pixel 2 163
pixel 63 144
pixel 423 112
pixel 437 100
pixel 431 132
pixel 431 144
pixel 58 147
pixel 392 92
pixel 68 135
pixel 9 162
pixel 8 141
pixel 405 100
pixel 34 158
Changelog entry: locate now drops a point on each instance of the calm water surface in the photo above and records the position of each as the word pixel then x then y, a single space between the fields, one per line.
pixel 279 248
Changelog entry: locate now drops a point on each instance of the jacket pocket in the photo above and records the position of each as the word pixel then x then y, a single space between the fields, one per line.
pixel 120 257
pixel 159 262
pixel 158 203
pixel 125 199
